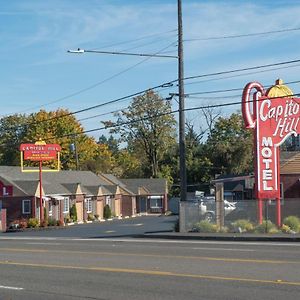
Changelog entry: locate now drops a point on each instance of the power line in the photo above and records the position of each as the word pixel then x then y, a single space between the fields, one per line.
pixel 172 112
pixel 245 74
pixel 135 40
pixel 97 83
pixel 166 85
pixel 242 35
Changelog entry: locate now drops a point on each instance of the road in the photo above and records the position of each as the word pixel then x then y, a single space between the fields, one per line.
pixel 124 267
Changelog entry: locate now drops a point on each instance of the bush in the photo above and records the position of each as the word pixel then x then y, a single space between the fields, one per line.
pixel 91 217
pixel 266 227
pixel 292 222
pixel 107 212
pixel 33 223
pixel 205 226
pixel 51 222
pixel 285 229
pixel 73 213
pixel 96 216
pixel 242 225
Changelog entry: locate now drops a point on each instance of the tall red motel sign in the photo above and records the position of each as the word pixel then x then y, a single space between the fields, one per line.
pixel 40 151
pixel 273 115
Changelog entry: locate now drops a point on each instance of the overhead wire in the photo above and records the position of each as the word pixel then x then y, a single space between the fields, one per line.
pixel 167 84
pixel 97 83
pixel 242 35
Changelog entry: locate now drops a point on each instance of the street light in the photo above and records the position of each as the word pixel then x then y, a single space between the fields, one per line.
pixel 182 150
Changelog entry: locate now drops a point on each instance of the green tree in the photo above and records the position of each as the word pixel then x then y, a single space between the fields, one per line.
pixel 148 127
pixel 12 131
pixel 230 146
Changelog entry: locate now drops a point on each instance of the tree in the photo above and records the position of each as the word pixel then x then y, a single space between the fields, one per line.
pixel 230 146
pixel 111 142
pixel 148 128
pixel 12 132
pixel 62 128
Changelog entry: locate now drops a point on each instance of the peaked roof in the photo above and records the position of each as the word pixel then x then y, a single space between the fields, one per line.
pixel 151 185
pixel 62 182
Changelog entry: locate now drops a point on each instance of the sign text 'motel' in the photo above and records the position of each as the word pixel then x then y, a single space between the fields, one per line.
pixel 274 117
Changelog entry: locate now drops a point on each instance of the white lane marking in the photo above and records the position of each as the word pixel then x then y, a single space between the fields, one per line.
pixel 223 249
pixel 11 288
pixel 109 231
pixel 132 225
pixel 40 243
pixel 154 240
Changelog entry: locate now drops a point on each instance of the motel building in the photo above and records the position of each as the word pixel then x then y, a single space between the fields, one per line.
pixel 86 191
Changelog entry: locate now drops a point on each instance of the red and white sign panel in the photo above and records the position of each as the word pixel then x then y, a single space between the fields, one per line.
pixel 273 121
pixel 40 152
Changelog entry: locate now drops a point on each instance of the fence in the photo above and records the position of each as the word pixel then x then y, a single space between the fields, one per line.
pixel 192 212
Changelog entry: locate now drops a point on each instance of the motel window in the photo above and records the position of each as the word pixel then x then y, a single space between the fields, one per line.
pixel 66 205
pixel 108 200
pixel 155 201
pixel 89 203
pixel 26 206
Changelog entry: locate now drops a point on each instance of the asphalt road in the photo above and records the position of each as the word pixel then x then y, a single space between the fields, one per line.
pixel 123 267
pixel 125 227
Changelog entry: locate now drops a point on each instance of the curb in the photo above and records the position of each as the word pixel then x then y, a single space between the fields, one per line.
pixel 261 238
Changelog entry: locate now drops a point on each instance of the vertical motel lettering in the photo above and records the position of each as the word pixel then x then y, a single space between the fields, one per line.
pixel 267 154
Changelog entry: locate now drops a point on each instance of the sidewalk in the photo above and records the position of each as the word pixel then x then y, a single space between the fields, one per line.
pixel 281 237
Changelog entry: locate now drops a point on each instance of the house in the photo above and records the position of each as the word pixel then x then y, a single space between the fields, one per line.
pixel 20 194
pixel 84 190
pixel 151 194
pixel 141 195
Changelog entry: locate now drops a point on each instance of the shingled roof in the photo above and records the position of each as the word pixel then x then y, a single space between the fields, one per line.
pixel 154 186
pixel 62 182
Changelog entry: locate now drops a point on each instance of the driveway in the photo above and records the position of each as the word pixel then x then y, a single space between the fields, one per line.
pixel 115 228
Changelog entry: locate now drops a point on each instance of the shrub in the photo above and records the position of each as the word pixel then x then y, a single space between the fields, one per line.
pixel 96 216
pixel 293 222
pixel 33 223
pixel 90 217
pixel 107 212
pixel 285 229
pixel 51 222
pixel 223 229
pixel 205 226
pixel 73 213
pixel 68 219
pixel 266 227
pixel 242 225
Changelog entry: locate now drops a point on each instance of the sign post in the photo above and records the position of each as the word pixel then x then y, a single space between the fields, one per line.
pixel 274 116
pixel 40 151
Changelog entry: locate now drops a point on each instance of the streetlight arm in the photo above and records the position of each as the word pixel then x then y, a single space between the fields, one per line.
pixel 120 53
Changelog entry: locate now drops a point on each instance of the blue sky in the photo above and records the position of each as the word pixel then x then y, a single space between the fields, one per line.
pixel 36 70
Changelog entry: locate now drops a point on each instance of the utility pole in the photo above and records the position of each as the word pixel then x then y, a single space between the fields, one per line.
pixel 73 148
pixel 183 180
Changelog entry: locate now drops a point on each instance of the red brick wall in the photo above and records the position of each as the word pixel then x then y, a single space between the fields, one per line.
pixel 3 220
pixel 291 185
pixel 13 206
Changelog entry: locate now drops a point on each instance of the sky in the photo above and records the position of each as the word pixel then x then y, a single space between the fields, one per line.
pixel 37 72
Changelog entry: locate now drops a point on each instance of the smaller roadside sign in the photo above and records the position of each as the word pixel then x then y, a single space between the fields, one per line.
pixel 35 152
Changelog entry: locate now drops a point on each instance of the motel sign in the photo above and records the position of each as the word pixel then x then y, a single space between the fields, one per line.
pixel 273 115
